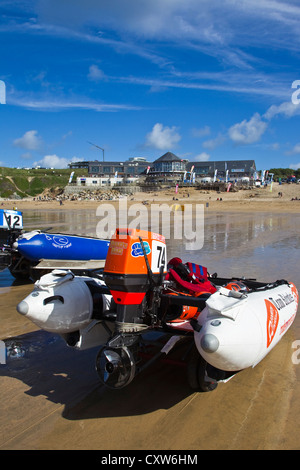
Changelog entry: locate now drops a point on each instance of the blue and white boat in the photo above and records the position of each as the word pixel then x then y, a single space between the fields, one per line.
pixel 37 245
pixel 22 251
pixel 35 252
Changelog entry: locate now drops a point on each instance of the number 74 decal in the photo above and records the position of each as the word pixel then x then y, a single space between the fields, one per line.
pixel 159 256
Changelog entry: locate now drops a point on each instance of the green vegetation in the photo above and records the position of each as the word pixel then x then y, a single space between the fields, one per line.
pixel 284 173
pixel 33 182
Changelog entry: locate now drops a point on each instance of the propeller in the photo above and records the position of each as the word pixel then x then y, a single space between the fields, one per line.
pixel 115 367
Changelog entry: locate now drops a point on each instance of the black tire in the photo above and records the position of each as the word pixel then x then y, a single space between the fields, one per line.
pixel 205 383
pixel 197 373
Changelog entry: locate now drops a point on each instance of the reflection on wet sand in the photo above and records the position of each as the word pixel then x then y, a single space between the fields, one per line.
pixel 51 397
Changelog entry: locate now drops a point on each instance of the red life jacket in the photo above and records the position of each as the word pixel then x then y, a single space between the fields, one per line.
pixel 196 280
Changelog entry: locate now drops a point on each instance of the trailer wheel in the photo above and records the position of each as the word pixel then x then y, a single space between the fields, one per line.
pixel 198 378
pixel 206 384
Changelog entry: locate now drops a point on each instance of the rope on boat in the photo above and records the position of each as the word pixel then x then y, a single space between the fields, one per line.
pixel 126 327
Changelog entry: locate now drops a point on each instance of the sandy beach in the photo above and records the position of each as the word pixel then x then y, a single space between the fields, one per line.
pixel 53 398
pixel 257 199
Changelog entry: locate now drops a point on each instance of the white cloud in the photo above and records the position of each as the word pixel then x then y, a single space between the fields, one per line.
pixel 295 150
pixel 60 105
pixel 248 132
pixel 29 141
pixel 287 109
pixel 275 146
pixel 226 36
pixel 213 143
pixel 162 138
pixel 202 157
pixel 95 74
pixel 26 156
pixel 186 20
pixel 53 161
pixel 295 166
pixel 202 132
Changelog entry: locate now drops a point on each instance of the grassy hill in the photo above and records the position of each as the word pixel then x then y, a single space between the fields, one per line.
pixel 34 181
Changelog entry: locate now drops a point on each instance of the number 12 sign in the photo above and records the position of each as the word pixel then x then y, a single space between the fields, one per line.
pixel 11 219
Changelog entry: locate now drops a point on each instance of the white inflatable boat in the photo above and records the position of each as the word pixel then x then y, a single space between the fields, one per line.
pixel 231 324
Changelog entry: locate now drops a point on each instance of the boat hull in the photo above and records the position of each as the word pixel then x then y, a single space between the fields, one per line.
pixel 37 245
pixel 237 331
pixel 65 304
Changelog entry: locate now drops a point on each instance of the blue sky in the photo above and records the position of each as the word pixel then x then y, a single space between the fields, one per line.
pixel 206 80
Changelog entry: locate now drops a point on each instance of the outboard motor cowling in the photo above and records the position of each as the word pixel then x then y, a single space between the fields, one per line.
pixel 135 262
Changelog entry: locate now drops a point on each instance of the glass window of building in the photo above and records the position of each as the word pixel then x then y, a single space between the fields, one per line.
pixel 94 169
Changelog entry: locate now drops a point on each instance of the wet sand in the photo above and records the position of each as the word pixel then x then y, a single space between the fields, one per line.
pixel 52 399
